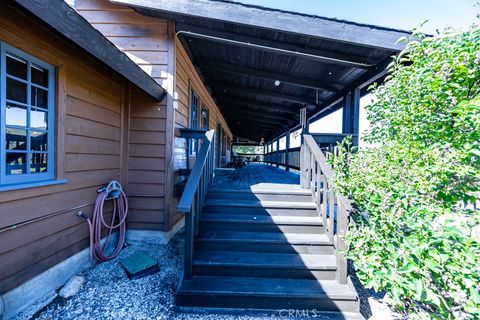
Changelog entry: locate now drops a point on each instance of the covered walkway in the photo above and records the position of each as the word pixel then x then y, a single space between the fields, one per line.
pixel 255 177
pixel 258 237
pixel 272 72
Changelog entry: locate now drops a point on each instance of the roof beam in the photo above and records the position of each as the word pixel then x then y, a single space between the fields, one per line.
pixel 251 123
pixel 250 131
pixel 239 120
pixel 242 109
pixel 275 47
pixel 267 75
pixel 257 118
pixel 366 79
pixel 256 105
pixel 65 20
pixel 274 95
pixel 271 19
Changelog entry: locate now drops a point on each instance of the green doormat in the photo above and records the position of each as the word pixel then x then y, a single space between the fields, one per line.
pixel 139 265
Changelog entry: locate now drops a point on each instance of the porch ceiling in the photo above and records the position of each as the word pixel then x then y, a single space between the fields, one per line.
pixel 241 50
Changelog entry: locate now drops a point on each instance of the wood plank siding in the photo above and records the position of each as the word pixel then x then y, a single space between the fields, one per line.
pixel 38 226
pixel 106 128
pixel 186 80
pixel 147 41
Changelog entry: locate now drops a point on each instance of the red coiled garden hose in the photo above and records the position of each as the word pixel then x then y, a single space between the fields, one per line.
pixel 97 222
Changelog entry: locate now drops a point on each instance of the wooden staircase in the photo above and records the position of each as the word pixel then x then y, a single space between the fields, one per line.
pixel 264 250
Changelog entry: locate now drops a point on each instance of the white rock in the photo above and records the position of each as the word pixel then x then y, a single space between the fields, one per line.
pixel 72 287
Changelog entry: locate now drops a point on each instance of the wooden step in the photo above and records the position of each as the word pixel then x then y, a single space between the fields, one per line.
pixel 248 241
pixel 260 207
pixel 262 293
pixel 264 265
pixel 262 195
pixel 261 223
pixel 261 204
pixel 256 190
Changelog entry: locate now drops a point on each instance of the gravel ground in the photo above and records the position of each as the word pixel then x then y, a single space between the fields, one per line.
pixel 109 294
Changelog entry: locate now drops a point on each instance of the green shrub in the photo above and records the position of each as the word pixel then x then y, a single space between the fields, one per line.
pixel 420 180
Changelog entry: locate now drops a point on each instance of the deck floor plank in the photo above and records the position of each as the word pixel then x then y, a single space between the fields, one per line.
pixel 256 177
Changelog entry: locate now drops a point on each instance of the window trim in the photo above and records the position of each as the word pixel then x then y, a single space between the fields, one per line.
pixel 27 178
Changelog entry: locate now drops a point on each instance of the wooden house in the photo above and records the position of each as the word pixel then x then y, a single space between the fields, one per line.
pixel 97 90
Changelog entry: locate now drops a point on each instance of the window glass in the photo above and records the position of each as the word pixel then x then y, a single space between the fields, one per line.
pixel 16 90
pixel 38 141
pixel 39 97
pixel 193 121
pixel 16 139
pixel 39 76
pixel 16 115
pixel 26 97
pixel 205 117
pixel 16 163
pixel 38 162
pixel 38 119
pixel 16 67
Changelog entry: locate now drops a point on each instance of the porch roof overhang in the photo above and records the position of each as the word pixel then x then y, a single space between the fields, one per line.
pixel 263 65
pixel 58 15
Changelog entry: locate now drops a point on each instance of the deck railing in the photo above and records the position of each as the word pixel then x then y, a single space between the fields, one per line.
pixel 251 157
pixel 290 157
pixel 334 208
pixel 193 197
pixel 287 158
pixel 329 141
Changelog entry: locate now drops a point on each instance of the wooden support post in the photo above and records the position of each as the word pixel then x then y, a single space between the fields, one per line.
pixel 305 123
pixel 356 115
pixel 287 147
pixel 188 153
pixel 342 225
pixel 188 260
pixel 276 156
pixel 347 116
pixel 331 212
pixel 303 169
pixel 350 117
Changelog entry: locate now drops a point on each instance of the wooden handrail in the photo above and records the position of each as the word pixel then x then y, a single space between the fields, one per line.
pixel 333 208
pixel 193 197
pixel 186 201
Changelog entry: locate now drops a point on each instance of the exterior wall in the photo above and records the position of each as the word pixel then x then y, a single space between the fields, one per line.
pixel 186 80
pixel 38 226
pixel 146 165
pixel 148 42
pixel 106 129
pixel 144 39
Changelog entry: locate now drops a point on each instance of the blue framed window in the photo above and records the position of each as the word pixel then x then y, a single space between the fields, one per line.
pixel 193 121
pixel 27 92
